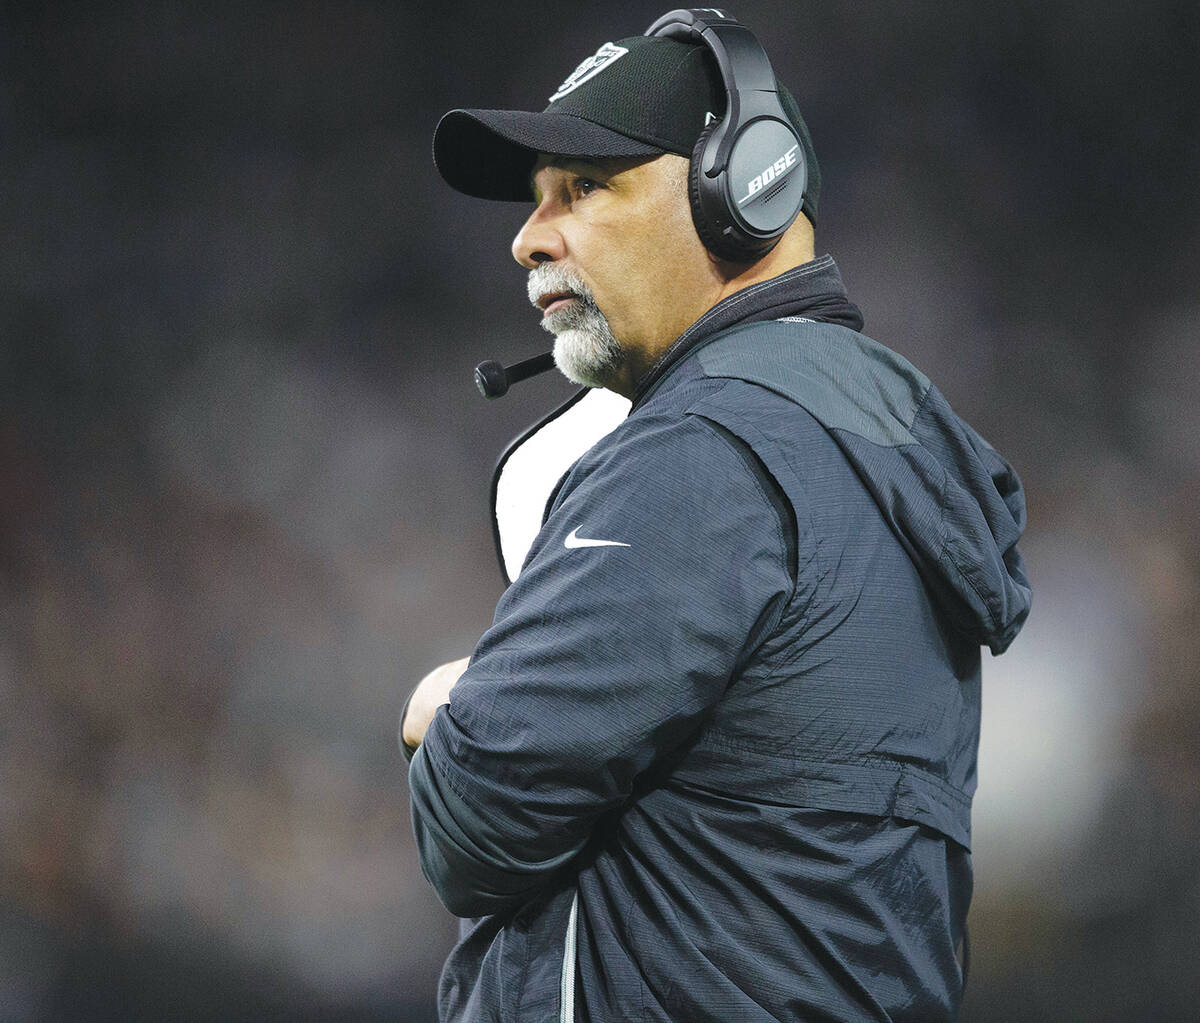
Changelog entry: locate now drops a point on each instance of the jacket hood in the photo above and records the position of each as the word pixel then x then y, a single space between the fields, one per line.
pixel 954 503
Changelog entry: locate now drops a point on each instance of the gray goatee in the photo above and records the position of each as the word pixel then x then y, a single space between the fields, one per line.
pixel 585 350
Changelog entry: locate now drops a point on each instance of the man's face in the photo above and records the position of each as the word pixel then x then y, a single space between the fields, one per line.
pixel 616 264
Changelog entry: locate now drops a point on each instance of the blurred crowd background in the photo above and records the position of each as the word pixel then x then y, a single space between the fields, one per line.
pixel 243 467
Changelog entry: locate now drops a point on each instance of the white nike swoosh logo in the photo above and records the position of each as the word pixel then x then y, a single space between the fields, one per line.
pixel 574 540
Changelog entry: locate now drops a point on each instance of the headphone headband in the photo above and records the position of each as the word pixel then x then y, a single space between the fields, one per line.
pixel 742 60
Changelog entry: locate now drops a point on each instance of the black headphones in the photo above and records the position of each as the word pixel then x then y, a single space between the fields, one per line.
pixel 748 170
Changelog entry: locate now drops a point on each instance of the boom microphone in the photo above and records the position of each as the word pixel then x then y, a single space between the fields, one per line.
pixel 494 380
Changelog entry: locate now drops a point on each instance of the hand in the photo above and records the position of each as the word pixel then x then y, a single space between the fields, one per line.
pixel 431 692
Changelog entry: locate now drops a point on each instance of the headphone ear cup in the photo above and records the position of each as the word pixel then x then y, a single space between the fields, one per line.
pixel 698 192
pixel 714 213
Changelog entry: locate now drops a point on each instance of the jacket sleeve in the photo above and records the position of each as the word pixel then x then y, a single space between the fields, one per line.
pixel 601 659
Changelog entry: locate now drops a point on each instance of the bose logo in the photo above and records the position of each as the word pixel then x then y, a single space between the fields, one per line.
pixel 778 169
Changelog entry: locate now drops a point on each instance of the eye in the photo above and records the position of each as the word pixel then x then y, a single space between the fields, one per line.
pixel 583 187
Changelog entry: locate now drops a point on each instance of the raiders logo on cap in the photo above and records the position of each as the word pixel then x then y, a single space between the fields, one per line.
pixel 591 67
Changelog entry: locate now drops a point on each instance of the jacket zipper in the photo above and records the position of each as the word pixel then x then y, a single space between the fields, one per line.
pixel 566 1009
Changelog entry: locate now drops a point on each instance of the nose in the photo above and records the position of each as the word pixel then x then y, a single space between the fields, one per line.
pixel 539 240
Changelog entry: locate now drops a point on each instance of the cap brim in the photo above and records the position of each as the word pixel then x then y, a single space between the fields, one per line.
pixel 490 153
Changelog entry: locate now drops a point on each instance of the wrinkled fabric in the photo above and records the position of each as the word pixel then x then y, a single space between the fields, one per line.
pixel 740 735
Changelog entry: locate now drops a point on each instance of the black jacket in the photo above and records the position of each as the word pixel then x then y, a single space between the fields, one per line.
pixel 720 767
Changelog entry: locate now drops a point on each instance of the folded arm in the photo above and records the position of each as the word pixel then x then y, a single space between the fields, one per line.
pixel 602 658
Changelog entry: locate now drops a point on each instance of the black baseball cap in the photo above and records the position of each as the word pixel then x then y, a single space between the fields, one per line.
pixel 642 96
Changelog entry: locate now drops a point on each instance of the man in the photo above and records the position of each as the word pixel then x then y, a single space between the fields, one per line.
pixel 714 759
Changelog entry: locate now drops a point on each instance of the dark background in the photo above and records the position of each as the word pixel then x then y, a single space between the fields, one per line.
pixel 243 468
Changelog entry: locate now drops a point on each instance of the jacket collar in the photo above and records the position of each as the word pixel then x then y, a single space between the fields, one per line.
pixel 813 290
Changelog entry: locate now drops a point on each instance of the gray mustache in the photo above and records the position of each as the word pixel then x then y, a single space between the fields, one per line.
pixel 548 278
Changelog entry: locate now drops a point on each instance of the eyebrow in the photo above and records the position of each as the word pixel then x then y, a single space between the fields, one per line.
pixel 565 163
